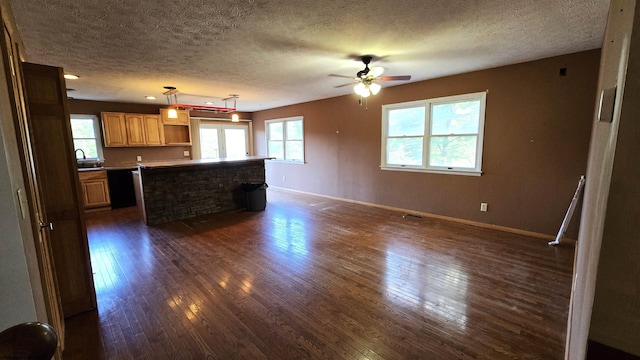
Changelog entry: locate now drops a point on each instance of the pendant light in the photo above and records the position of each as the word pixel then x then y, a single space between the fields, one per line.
pixel 173 112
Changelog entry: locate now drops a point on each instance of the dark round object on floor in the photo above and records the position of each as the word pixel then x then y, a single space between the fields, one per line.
pixel 32 340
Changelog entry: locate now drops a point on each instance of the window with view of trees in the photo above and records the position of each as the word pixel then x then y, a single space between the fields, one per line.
pixel 285 139
pixel 436 135
pixel 85 130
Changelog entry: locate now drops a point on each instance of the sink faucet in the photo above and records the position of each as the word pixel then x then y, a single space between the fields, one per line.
pixel 84 157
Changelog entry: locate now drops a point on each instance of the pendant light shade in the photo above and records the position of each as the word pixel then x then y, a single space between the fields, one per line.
pixel 235 118
pixel 172 114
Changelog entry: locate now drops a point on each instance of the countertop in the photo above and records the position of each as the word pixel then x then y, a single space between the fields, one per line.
pixel 91 169
pixel 201 162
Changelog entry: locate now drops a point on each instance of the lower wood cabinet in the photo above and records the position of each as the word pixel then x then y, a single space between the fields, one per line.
pixel 95 189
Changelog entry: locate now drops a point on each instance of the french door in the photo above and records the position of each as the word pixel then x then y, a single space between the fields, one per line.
pixel 224 141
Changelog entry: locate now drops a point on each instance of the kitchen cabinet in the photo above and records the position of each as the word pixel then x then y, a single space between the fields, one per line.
pixel 176 131
pixel 183 117
pixel 153 129
pixel 95 189
pixel 135 129
pixel 114 129
pixel 131 130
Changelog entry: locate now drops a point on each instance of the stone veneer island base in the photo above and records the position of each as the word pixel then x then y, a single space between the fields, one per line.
pixel 175 190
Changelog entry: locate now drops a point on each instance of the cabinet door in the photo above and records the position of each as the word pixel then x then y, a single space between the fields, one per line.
pixel 164 114
pixel 135 129
pixel 183 117
pixel 153 129
pixel 114 129
pixel 96 193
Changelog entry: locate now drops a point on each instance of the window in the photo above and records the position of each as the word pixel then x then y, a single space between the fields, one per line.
pixel 223 141
pixel 285 139
pixel 86 136
pixel 435 135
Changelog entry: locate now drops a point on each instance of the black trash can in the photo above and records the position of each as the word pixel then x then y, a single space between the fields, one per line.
pixel 256 195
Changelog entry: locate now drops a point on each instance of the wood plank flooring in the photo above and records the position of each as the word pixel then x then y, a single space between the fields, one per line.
pixel 314 278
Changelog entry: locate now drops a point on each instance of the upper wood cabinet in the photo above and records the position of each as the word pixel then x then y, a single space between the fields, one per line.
pixel 176 131
pixel 153 130
pixel 114 129
pixel 124 129
pixel 183 117
pixel 135 129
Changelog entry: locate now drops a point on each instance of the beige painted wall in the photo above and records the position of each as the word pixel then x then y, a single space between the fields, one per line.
pixel 537 132
pixel 21 294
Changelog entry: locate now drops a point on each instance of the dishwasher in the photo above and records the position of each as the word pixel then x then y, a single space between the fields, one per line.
pixel 121 188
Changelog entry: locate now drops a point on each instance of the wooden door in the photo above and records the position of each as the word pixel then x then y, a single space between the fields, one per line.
pixel 153 129
pixel 52 146
pixel 37 213
pixel 114 129
pixel 135 129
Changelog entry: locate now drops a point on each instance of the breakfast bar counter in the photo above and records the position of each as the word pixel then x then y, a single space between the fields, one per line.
pixel 180 189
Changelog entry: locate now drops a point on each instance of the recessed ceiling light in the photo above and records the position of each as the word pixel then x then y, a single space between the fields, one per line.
pixel 208 102
pixel 149 97
pixel 71 76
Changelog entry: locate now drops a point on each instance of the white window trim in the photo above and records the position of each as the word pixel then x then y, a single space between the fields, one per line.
pixel 96 129
pixel 222 143
pixel 284 140
pixel 477 171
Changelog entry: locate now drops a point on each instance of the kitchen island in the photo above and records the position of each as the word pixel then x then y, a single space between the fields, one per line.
pixel 180 189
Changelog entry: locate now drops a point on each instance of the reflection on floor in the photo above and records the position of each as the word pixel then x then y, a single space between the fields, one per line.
pixel 312 278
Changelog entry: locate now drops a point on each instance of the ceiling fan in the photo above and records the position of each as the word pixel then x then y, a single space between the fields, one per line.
pixel 367 79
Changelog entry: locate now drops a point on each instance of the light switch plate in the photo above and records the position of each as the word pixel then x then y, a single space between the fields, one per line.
pixel 138 158
pixel 186 153
pixel 607 104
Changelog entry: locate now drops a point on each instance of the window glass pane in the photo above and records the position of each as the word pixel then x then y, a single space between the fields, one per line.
pixel 408 121
pixel 235 142
pixel 453 151
pixel 276 149
pixel 82 128
pixel 294 130
pixel 209 143
pixel 275 131
pixel 294 150
pixel 404 151
pixel 88 146
pixel 455 118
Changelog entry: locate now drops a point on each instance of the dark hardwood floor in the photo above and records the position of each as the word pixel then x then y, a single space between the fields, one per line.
pixel 314 278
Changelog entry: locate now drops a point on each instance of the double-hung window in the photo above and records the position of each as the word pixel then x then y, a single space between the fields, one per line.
pixel 437 135
pixel 285 139
pixel 86 136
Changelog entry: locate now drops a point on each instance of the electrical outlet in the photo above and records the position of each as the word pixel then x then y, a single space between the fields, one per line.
pixel 186 153
pixel 138 158
pixel 483 206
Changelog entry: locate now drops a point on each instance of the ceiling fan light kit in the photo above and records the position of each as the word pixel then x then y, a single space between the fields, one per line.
pixel 367 78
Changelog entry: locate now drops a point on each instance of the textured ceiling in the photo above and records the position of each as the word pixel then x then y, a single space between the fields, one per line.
pixel 279 52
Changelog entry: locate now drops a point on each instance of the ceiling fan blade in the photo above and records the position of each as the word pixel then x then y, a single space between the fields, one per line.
pixel 391 78
pixel 342 76
pixel 343 85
